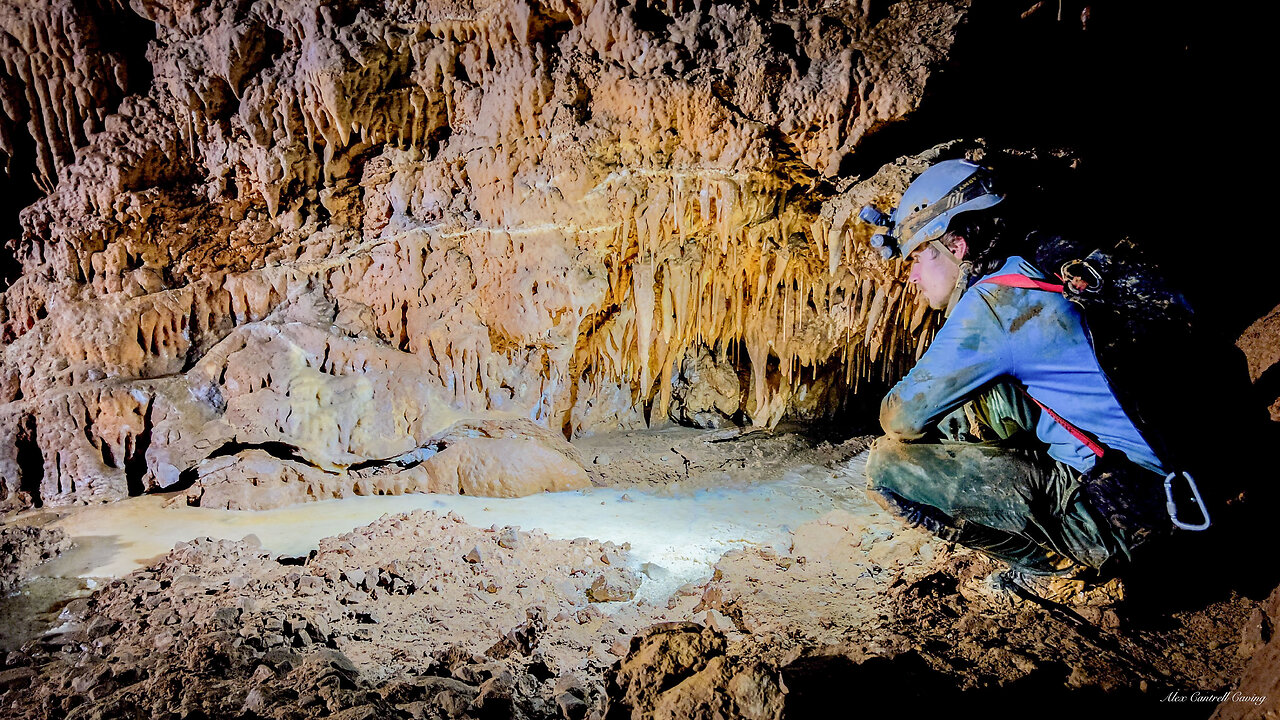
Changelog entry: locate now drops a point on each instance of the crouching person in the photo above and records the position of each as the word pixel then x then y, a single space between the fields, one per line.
pixel 1006 436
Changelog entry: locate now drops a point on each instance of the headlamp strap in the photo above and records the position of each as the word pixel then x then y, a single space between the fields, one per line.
pixel 945 251
pixel 962 284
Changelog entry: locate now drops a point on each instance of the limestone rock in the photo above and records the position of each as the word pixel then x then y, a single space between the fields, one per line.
pixel 1260 343
pixel 323 234
pixel 62 74
pixel 680 670
pixel 608 589
pixel 22 548
pixel 707 393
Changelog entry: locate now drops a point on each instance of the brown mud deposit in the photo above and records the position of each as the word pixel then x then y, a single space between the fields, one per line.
pixel 685 459
pixel 423 615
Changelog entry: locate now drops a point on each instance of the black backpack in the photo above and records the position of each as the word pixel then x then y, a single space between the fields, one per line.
pixel 1140 326
pixel 1173 379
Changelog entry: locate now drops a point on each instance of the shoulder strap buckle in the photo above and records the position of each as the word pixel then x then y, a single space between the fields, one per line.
pixel 1080 276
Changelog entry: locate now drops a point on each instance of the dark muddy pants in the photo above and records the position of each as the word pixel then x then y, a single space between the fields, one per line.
pixel 1017 504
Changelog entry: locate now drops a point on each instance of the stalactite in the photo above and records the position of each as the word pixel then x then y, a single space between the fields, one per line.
pixel 493 272
pixel 752 281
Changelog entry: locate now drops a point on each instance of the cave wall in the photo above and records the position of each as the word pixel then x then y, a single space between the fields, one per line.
pixel 326 247
pixel 323 246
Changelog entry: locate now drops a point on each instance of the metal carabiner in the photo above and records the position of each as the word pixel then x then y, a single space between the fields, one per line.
pixel 1080 276
pixel 1173 507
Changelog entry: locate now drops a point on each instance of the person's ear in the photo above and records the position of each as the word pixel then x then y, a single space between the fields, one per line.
pixel 959 247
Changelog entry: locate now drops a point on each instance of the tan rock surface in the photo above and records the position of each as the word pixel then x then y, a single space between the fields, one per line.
pixel 328 232
pixel 1260 343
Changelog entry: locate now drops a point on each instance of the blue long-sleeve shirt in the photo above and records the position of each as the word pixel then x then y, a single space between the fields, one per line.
pixel 1034 337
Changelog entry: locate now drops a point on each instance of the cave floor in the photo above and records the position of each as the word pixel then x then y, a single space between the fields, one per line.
pixel 764 538
pixel 678 522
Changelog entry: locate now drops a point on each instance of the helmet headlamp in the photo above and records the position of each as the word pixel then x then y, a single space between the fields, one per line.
pixel 882 241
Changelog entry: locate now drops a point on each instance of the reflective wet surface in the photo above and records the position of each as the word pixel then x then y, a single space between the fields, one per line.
pixel 675 535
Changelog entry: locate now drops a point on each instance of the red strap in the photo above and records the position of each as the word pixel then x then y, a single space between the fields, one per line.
pixel 1076 432
pixel 1022 281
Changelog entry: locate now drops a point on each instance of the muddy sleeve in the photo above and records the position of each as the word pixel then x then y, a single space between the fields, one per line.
pixel 969 352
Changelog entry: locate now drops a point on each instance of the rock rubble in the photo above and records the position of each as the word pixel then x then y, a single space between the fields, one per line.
pixel 22 548
pixel 415 615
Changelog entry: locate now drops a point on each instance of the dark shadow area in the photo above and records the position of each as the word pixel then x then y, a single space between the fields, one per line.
pixel 1221 433
pixel 30 460
pixel 127 34
pixel 855 412
pixel 278 450
pixel 295 559
pixel 120 31
pixel 18 190
pixel 905 686
pixel 651 16
pixel 186 479
pixel 1193 569
pixel 1136 91
pixel 135 461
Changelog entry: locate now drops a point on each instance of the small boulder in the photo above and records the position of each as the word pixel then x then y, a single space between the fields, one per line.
pixel 605 589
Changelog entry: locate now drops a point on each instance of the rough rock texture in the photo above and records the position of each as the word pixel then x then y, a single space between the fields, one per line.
pixel 1260 343
pixel 680 670
pixel 1257 694
pixel 324 232
pixel 421 615
pixel 62 74
pixel 416 615
pixel 22 548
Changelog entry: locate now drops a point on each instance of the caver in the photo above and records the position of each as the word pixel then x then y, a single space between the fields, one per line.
pixel 1009 435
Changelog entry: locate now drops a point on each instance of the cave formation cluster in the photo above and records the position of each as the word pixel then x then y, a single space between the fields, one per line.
pixel 290 250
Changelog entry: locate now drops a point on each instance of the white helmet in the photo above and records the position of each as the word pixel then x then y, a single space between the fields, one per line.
pixel 930 202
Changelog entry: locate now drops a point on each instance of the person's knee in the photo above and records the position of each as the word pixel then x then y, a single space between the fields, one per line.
pixel 885 455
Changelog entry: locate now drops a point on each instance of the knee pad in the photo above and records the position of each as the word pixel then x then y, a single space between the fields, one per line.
pixel 917 514
pixel 881 453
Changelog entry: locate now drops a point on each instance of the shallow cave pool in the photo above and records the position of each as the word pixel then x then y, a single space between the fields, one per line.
pixel 675 536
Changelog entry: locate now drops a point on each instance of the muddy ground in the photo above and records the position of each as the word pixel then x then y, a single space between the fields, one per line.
pixel 422 615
